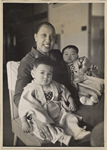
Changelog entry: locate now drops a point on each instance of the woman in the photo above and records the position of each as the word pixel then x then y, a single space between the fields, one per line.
pixel 45 39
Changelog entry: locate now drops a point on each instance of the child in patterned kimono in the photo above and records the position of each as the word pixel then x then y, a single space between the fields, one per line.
pixel 49 102
pixel 83 74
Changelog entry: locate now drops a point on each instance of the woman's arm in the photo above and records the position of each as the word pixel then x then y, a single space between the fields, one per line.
pixel 44 128
pixel 24 76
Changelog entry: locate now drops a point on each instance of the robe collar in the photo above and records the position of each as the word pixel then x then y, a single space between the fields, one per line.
pixel 34 52
pixel 41 93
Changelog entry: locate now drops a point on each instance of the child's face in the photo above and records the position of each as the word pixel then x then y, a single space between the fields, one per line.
pixel 43 74
pixel 70 55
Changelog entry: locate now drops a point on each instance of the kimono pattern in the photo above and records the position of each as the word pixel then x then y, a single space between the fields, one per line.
pixel 33 101
pixel 88 80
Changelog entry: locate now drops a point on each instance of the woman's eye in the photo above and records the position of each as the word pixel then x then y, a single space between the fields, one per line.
pixel 44 35
pixel 52 36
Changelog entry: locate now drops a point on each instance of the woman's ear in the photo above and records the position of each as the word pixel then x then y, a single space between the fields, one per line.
pixel 32 73
pixel 35 37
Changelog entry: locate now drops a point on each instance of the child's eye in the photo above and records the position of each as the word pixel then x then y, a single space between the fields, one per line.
pixel 42 72
pixel 49 74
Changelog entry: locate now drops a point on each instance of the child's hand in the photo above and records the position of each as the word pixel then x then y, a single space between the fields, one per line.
pixel 72 105
pixel 86 64
pixel 94 70
pixel 26 127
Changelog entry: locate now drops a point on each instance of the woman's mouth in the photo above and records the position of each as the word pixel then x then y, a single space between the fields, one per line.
pixel 46 45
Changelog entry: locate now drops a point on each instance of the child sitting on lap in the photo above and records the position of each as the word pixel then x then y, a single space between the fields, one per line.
pixel 49 102
pixel 83 74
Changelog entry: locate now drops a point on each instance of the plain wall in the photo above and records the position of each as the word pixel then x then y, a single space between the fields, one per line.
pixel 98 9
pixel 68 20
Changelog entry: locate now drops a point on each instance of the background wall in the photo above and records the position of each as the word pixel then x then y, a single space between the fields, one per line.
pixel 98 9
pixel 69 21
pixel 97 38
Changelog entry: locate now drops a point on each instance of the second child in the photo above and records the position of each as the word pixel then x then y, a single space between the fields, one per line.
pixel 83 74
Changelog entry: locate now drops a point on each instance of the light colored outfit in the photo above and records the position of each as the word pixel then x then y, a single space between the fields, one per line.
pixel 93 84
pixel 33 100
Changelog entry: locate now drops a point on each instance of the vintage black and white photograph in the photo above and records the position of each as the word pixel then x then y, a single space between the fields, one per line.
pixel 53 74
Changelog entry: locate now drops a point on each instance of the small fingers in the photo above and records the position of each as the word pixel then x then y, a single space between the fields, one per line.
pixel 73 108
pixel 52 128
pixel 42 135
pixel 27 130
pixel 47 133
pixel 94 67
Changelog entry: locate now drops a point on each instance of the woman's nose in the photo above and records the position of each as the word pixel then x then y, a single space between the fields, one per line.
pixel 48 39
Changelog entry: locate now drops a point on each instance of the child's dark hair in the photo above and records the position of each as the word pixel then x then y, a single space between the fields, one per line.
pixel 71 46
pixel 43 23
pixel 43 60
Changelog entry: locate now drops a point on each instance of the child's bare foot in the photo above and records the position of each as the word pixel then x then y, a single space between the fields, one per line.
pixel 94 99
pixel 86 101
pixel 26 127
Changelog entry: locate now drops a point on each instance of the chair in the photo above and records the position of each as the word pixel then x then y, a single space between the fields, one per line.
pixel 27 138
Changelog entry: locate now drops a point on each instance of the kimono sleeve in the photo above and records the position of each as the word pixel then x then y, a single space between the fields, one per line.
pixel 65 93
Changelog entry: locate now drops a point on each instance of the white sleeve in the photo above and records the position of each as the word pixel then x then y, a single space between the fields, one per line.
pixel 65 93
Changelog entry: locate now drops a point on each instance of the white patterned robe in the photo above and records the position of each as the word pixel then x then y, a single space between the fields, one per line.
pixel 33 100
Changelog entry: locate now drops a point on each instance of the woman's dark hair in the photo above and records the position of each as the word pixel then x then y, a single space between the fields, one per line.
pixel 43 60
pixel 71 46
pixel 43 23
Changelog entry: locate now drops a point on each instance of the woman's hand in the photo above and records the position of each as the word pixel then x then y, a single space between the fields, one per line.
pixel 44 129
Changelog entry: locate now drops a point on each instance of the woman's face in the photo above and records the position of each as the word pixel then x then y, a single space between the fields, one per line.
pixel 70 55
pixel 45 38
